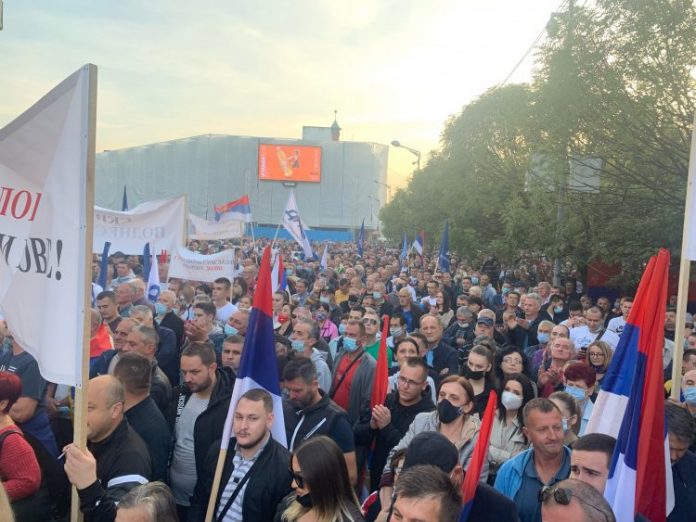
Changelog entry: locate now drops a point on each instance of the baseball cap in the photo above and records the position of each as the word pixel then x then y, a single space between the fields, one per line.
pixel 485 320
pixel 431 447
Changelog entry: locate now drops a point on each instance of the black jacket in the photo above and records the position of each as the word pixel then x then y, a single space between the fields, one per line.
pixel 209 424
pixel 416 312
pixel 269 481
pixel 315 420
pixel 123 463
pixel 684 478
pixel 148 422
pixel 444 356
pixel 386 438
pixel 176 325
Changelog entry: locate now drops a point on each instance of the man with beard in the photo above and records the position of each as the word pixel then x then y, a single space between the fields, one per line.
pixel 389 421
pixel 309 412
pixel 197 417
pixel 255 476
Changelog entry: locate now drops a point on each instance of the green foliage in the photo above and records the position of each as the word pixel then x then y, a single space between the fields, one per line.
pixel 613 81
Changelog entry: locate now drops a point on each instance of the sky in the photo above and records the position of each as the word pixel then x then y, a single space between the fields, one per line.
pixel 394 70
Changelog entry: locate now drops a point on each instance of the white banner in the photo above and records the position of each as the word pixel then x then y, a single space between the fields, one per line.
pixel 160 223
pixel 186 264
pixel 200 229
pixel 43 226
pixel 295 226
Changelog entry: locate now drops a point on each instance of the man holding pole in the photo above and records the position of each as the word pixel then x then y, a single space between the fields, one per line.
pixel 256 476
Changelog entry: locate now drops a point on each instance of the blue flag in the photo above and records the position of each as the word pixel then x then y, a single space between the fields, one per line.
pixel 404 250
pixel 104 265
pixel 124 202
pixel 361 238
pixel 146 260
pixel 443 259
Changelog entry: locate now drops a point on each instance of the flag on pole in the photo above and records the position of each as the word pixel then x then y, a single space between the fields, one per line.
pixel 237 210
pixel 124 200
pixel 443 258
pixel 278 279
pixel 104 265
pixel 381 385
pixel 418 242
pixel 146 259
pixel 153 281
pixel 324 263
pixel 294 225
pixel 404 250
pixel 258 367
pixel 361 239
pixel 630 406
pixel 478 457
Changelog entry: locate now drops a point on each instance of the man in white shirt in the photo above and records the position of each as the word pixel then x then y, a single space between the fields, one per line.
pixel 617 324
pixel 221 292
pixel 583 336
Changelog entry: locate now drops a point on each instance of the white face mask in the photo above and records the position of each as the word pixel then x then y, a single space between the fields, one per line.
pixel 511 401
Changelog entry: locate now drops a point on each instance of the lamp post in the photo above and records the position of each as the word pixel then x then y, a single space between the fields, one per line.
pixel 387 186
pixel 416 153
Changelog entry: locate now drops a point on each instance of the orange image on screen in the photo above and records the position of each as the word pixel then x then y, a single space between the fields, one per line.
pixel 289 163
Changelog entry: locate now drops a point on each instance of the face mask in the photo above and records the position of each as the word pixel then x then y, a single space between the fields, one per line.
pixel 377 295
pixel 463 325
pixel 543 337
pixel 511 401
pixel 474 280
pixel 564 423
pixel 160 309
pixel 324 299
pixel 341 328
pixel 557 309
pixel 350 344
pixel 396 332
pixel 320 317
pixel 305 501
pixel 230 330
pixel 298 346
pixel 577 393
pixel 447 412
pixel 288 271
pixel 690 395
pixel 506 290
pixel 282 319
pixel 472 374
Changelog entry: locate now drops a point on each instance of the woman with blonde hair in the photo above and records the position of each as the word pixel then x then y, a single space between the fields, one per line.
pixel 599 356
pixel 323 492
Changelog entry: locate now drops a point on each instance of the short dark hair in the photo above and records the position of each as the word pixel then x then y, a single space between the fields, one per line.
pixel 680 422
pixel 417 362
pixel 223 281
pixel 206 308
pixel 106 294
pixel 540 404
pixel 689 352
pixel 233 339
pixel 300 368
pixel 575 306
pixel 427 481
pixel 598 442
pixel 259 394
pixel 400 318
pixel 204 350
pixel 134 371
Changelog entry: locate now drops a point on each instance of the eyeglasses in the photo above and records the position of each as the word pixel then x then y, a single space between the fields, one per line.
pixel 596 355
pixel 563 496
pixel 512 360
pixel 297 478
pixel 408 382
pixel 373 322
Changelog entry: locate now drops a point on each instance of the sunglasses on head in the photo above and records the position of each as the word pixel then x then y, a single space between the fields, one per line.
pixel 297 478
pixel 563 496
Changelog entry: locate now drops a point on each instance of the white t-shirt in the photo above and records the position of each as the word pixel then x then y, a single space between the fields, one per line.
pixel 582 337
pixel 617 324
pixel 224 313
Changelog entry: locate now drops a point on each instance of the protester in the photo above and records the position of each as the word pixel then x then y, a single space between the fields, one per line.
pixel 479 372
pixel 323 489
pixel 405 349
pixel 151 502
pixel 591 458
pixel 570 415
pixel 576 501
pixel 580 382
pixel 681 430
pixel 232 348
pixel 599 356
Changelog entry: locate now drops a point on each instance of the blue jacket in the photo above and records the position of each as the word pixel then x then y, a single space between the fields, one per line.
pixel 509 478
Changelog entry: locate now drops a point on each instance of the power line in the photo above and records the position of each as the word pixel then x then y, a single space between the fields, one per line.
pixel 531 47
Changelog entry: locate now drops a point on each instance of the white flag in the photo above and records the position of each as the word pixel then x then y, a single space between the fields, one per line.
pixel 153 280
pixel 44 236
pixel 324 263
pixel 294 225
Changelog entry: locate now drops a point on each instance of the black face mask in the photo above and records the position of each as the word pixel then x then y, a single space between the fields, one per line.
pixel 473 375
pixel 447 412
pixel 305 500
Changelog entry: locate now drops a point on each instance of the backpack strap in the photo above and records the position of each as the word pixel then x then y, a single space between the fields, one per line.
pixel 4 435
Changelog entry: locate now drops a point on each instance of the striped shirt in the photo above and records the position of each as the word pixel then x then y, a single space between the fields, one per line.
pixel 241 468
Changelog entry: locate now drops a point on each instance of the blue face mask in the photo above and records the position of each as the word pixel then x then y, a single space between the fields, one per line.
pixel 324 299
pixel 690 395
pixel 377 295
pixel 341 328
pixel 160 309
pixel 230 330
pixel 577 393
pixel 350 344
pixel 506 290
pixel 298 346
pixel 543 337
pixel 474 280
pixel 557 309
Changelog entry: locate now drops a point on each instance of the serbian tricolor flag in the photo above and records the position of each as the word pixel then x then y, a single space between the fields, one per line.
pixel 381 385
pixel 258 367
pixel 278 279
pixel 630 406
pixel 418 242
pixel 237 210
pixel 478 457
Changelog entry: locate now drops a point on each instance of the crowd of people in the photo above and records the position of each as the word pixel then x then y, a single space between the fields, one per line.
pixel 162 375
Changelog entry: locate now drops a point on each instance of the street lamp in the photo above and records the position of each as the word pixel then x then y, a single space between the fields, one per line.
pixel 416 153
pixel 388 187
